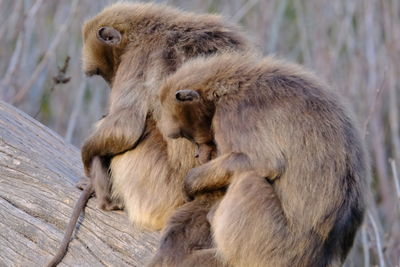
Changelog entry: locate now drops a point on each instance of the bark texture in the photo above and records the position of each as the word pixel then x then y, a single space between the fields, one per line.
pixel 38 172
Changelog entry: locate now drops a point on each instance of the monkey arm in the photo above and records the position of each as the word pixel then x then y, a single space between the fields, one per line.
pixel 215 174
pixel 116 133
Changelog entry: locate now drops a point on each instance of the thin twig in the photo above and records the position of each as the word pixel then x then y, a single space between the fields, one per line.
pixel 49 53
pixel 273 36
pixel 303 32
pixel 243 11
pixel 365 245
pixel 372 111
pixel 395 178
pixel 60 78
pixel 377 239
pixel 75 112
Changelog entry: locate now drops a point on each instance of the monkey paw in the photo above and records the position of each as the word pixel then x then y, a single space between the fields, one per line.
pixel 110 205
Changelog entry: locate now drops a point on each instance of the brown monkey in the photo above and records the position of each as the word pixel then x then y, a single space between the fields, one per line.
pixel 134 47
pixel 286 147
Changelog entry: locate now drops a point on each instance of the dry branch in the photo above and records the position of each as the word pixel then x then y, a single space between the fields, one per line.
pixel 38 170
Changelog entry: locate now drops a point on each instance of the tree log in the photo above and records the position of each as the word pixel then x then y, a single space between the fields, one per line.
pixel 38 173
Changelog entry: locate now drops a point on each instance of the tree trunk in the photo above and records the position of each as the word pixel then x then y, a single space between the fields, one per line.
pixel 38 172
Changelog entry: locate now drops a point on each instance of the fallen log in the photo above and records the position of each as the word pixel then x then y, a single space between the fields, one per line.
pixel 38 172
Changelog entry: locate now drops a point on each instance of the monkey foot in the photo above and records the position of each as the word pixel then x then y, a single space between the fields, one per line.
pixel 110 206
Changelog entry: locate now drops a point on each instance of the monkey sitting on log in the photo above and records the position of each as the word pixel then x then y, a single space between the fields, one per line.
pixel 134 46
pixel 288 151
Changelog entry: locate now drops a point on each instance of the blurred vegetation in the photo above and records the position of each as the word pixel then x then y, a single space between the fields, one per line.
pixel 352 44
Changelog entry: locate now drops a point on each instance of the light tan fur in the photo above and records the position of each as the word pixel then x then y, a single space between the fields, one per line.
pixel 287 149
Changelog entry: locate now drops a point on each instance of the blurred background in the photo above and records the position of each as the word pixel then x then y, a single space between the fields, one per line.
pixel 353 44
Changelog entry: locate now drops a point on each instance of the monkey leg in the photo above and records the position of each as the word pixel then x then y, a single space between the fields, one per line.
pixel 187 233
pixel 101 180
pixel 215 174
pixel 249 225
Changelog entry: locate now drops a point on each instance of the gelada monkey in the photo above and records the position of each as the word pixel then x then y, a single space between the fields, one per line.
pixel 288 151
pixel 134 46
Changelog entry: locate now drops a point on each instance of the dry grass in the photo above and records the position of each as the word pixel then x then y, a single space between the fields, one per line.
pixel 353 44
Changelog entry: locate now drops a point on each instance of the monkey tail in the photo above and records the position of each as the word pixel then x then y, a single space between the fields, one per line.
pixel 79 206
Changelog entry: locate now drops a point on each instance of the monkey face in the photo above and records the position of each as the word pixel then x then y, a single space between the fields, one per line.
pixel 170 125
pixel 100 51
pixel 187 115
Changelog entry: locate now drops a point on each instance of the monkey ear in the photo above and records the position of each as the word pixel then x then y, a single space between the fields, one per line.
pixel 109 35
pixel 187 95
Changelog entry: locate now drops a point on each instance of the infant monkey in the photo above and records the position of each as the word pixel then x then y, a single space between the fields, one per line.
pixel 288 151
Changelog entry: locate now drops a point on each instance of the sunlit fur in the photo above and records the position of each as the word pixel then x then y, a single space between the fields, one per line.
pixel 147 170
pixel 288 150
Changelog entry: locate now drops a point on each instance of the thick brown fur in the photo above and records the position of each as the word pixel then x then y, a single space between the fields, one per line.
pixel 286 147
pixel 134 47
